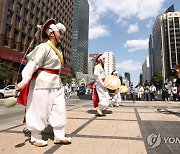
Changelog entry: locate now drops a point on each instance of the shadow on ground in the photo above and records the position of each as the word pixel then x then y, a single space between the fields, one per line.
pixel 94 111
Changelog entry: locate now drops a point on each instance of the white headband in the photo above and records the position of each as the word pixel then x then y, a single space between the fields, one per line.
pixel 58 27
pixel 115 72
pixel 101 57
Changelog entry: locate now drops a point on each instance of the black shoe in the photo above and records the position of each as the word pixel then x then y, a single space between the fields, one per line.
pixel 26 132
pixel 100 115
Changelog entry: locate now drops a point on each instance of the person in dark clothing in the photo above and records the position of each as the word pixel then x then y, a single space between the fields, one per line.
pixel 165 94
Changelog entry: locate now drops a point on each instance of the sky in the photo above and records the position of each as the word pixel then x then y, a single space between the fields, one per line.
pixel 123 27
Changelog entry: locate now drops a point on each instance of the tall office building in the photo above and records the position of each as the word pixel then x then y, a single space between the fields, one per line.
pixel 127 76
pixel 140 79
pixel 151 56
pixel 91 63
pixel 146 71
pixel 166 42
pixel 18 25
pixel 109 64
pixel 80 36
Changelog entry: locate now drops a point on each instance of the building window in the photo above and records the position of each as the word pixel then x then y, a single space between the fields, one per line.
pixel 18 18
pixel 30 29
pixel 24 24
pixel 29 40
pixel 31 16
pixel 25 12
pixel 43 4
pixel 9 15
pixel 32 6
pixel 7 34
pixel 37 20
pixel 26 2
pixel 23 36
pixel 11 2
pixel 18 7
pixel 42 14
pixel 15 38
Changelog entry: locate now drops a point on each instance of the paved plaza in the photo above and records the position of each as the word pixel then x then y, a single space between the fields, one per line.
pixel 124 130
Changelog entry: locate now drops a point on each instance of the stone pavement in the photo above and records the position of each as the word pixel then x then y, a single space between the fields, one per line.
pixel 123 130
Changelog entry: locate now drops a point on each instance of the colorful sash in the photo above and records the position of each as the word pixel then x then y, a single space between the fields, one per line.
pixel 95 96
pixel 56 50
pixel 22 98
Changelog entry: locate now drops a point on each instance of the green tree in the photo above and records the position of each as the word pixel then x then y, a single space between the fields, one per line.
pixel 73 73
pixel 157 79
pixel 6 72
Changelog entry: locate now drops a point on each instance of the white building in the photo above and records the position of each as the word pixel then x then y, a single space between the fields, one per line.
pixel 146 71
pixel 91 63
pixel 109 65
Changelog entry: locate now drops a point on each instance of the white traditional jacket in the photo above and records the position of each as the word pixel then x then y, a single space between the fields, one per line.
pixel 99 74
pixel 45 57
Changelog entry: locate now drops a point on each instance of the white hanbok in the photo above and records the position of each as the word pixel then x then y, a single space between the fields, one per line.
pixel 116 99
pixel 103 94
pixel 45 103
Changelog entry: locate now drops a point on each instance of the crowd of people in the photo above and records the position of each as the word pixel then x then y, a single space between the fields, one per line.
pixel 149 92
pixel 142 92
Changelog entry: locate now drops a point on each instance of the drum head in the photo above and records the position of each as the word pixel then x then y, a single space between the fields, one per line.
pixel 123 89
pixel 112 82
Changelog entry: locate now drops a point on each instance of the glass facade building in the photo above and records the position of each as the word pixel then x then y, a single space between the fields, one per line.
pixel 80 36
pixel 165 48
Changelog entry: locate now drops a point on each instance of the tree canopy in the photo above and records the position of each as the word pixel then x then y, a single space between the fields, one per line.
pixel 157 79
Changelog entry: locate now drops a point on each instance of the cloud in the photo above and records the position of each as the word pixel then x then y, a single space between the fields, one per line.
pixel 121 11
pixel 150 23
pixel 135 45
pixel 133 28
pixel 129 65
pixel 98 31
pixel 149 8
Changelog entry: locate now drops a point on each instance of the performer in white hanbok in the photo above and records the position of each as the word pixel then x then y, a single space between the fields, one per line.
pixel 101 89
pixel 41 90
pixel 115 101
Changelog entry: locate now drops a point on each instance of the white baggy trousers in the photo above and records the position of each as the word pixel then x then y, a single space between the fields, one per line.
pixel 45 106
pixel 104 97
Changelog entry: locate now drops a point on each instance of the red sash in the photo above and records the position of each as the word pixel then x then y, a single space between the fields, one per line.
pixel 22 98
pixel 95 94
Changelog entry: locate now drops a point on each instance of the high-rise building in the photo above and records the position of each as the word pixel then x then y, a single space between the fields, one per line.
pixel 80 36
pixel 109 65
pixel 91 63
pixel 19 20
pixel 127 76
pixel 151 56
pixel 145 71
pixel 140 79
pixel 166 42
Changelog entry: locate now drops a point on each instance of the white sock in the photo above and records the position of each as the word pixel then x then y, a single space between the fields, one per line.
pixel 59 132
pixel 36 135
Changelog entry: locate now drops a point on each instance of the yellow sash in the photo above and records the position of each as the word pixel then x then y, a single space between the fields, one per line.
pixel 56 50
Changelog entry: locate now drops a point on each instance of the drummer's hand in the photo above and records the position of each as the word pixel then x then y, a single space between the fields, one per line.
pixel 20 86
pixel 105 87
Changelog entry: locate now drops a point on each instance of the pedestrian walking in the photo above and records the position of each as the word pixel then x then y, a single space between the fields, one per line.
pixel 140 90
pixel 41 89
pixel 165 92
pixel 131 92
pixel 174 92
pixel 146 92
pixel 152 90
